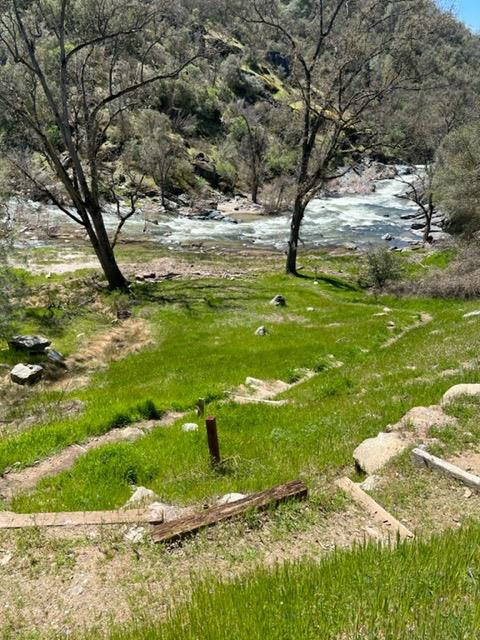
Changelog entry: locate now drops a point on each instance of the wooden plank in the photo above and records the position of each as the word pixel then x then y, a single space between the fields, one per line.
pixel 9 520
pixel 432 462
pixel 191 524
pixel 374 509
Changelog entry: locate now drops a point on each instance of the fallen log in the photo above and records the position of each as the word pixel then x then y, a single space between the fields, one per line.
pixel 188 525
pixel 374 509
pixel 432 462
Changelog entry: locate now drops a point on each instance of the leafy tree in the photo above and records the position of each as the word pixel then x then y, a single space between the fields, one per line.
pixel 457 181
pixel 69 69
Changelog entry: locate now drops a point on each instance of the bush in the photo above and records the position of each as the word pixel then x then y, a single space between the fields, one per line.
pixel 382 268
pixel 460 279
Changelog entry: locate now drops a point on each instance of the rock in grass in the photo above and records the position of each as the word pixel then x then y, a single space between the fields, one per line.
pixel 261 331
pixel 472 314
pixel 161 512
pixel 32 344
pixel 278 301
pixel 190 426
pixel 55 358
pixel 135 535
pixel 374 453
pixel 461 390
pixel 140 497
pixel 26 374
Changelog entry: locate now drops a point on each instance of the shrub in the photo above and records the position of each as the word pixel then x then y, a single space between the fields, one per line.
pixel 381 268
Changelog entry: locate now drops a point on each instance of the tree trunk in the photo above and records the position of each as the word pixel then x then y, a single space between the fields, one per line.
pixel 297 217
pixel 255 190
pixel 103 249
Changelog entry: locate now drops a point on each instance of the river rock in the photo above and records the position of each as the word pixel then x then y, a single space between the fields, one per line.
pixel 278 301
pixel 374 453
pixel 26 373
pixel 387 237
pixel 461 390
pixel 32 344
pixel 417 226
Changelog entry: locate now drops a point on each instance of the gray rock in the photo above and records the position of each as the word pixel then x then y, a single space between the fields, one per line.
pixel 374 453
pixel 387 237
pixel 26 374
pixel 55 358
pixel 261 331
pixel 32 344
pixel 417 226
pixel 460 390
pixel 278 301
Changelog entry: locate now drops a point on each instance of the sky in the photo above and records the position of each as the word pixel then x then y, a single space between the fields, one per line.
pixel 469 12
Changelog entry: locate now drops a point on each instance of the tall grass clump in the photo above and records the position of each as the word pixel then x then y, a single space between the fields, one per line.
pixel 420 590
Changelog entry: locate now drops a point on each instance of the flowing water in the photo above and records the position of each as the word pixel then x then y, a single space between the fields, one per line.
pixel 331 221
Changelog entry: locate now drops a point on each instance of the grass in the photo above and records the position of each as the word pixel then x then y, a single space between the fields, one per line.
pixel 205 344
pixel 417 591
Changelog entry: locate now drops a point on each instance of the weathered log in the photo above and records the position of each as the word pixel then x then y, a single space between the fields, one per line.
pixel 191 524
pixel 432 462
pixel 374 509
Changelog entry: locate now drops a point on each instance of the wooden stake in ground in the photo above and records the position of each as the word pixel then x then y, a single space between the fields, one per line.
pixel 432 462
pixel 212 436
pixel 193 523
pixel 373 508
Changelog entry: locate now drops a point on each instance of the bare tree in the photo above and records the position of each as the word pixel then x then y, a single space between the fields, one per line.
pixel 346 56
pixel 68 69
pixel 421 192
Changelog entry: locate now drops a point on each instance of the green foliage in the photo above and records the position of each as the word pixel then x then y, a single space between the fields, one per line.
pixel 457 184
pixel 418 590
pixel 382 268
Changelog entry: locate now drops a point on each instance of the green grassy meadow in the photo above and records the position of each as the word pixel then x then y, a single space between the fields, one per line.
pixel 205 345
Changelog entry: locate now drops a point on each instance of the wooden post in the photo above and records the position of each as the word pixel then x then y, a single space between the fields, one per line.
pixel 201 407
pixel 212 436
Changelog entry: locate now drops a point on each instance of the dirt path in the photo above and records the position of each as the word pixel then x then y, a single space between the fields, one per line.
pixel 14 482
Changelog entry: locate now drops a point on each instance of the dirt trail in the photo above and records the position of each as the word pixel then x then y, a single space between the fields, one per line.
pixel 14 482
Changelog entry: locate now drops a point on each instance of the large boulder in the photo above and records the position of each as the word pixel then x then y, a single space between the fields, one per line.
pixel 32 344
pixel 374 453
pixel 461 390
pixel 26 374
